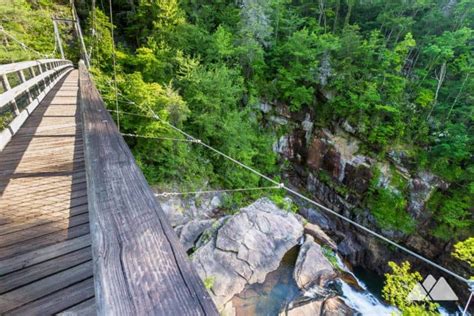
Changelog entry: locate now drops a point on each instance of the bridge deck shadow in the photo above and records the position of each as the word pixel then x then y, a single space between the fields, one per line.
pixel 45 255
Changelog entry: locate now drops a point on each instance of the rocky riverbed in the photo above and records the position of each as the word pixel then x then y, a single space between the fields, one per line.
pixel 264 260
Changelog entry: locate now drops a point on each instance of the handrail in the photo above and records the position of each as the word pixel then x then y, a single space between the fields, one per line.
pixel 13 67
pixel 140 267
pixel 43 75
pixel 13 93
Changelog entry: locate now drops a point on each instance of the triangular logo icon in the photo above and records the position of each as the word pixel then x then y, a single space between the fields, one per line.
pixel 418 293
pixel 442 291
pixel 432 290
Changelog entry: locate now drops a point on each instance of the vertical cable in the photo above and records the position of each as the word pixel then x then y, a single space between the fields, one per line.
pixel 93 32
pixel 467 304
pixel 114 64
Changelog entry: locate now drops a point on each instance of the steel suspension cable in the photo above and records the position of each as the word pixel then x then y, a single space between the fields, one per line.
pixel 342 217
pixel 164 194
pixel 114 62
pixel 22 45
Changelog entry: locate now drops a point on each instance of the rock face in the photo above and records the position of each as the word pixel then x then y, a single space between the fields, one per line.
pixel 283 147
pixel 180 211
pixel 332 306
pixel 190 232
pixel 336 155
pixel 335 306
pixel 309 309
pixel 312 267
pixel 421 188
pixel 246 248
pixel 319 235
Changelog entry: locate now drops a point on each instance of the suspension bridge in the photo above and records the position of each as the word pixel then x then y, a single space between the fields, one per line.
pixel 68 180
pixel 81 232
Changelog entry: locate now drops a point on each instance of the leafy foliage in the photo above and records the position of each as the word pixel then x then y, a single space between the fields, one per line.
pixel 400 73
pixel 30 23
pixel 397 287
pixel 388 208
pixel 464 250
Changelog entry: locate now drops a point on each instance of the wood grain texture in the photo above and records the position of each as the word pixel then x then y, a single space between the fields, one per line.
pixel 45 254
pixel 139 265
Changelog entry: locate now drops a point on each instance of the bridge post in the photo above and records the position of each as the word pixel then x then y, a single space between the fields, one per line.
pixel 7 87
pixel 58 38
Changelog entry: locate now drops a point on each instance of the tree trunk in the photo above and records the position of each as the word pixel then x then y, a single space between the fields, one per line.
pixel 350 4
pixel 440 77
pixel 457 96
pixel 336 15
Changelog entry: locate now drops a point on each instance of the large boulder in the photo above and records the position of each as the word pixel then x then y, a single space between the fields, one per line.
pixel 312 267
pixel 246 248
pixel 335 306
pixel 332 306
pixel 311 308
pixel 316 217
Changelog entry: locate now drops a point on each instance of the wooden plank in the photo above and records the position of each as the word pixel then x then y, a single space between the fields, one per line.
pixel 30 274
pixel 33 209
pixel 43 219
pixel 42 230
pixel 39 255
pixel 140 266
pixel 86 308
pixel 39 184
pixel 58 301
pixel 45 286
pixel 43 241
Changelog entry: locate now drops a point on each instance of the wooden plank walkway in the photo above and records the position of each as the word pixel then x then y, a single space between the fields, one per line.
pixel 45 252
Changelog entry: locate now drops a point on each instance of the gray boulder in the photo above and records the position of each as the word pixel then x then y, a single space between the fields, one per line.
pixel 311 308
pixel 312 267
pixel 190 232
pixel 335 306
pixel 332 306
pixel 246 248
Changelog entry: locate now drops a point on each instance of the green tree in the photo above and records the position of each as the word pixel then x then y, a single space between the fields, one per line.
pixel 397 287
pixel 464 250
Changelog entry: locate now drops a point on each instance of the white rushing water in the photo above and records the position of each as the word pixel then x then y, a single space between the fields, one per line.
pixel 363 302
pixel 366 303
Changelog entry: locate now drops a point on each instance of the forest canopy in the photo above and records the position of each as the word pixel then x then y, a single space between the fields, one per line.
pixel 399 72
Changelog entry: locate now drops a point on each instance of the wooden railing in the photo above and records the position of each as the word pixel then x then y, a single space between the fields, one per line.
pixel 140 266
pixel 22 87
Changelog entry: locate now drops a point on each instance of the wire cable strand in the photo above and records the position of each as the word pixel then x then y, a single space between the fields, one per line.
pixel 344 218
pixel 468 302
pixel 165 194
pixel 131 113
pixel 114 63
pixel 23 45
pixel 159 138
